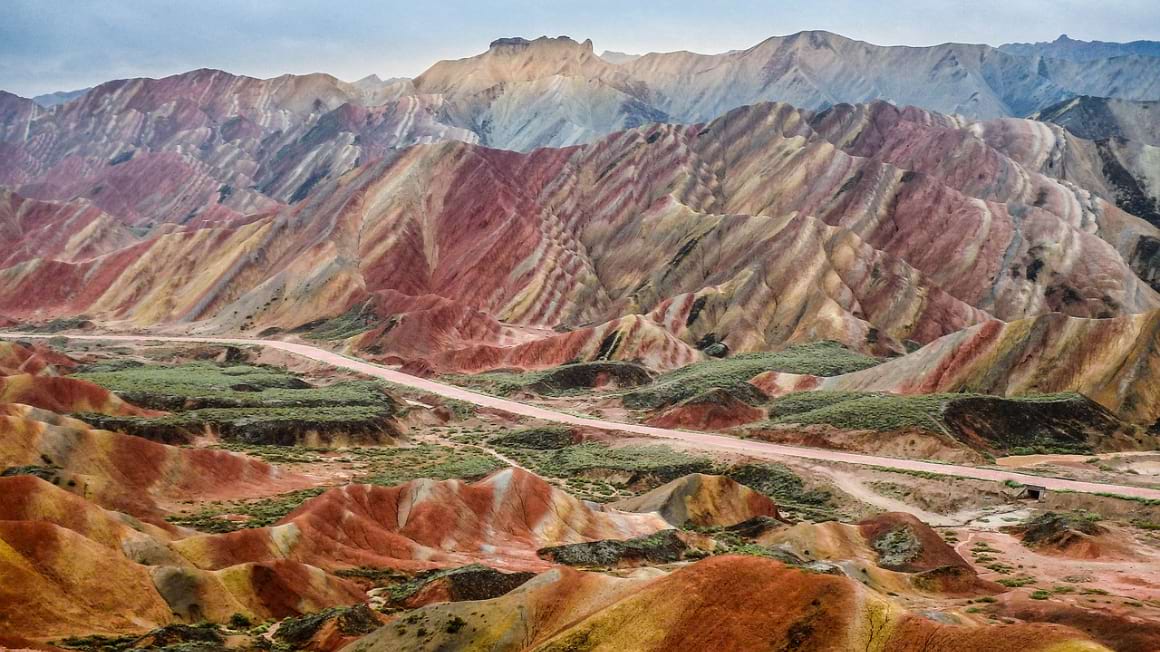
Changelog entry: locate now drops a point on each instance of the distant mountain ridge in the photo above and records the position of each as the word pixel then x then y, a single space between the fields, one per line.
pixel 523 93
pixel 1065 47
pixel 60 97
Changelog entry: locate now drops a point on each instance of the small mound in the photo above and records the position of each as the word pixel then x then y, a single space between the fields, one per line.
pixel 260 591
pixel 908 545
pixel 64 395
pixel 1069 535
pixel 716 409
pixel 58 583
pixel 37 359
pixel 701 500
pixel 1118 632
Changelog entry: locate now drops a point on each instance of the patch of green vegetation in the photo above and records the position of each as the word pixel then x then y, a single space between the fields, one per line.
pixel 785 487
pixel 881 412
pixel 203 637
pixel 1040 594
pixel 657 548
pixel 475 581
pixel 545 438
pixel 259 513
pixel 63 324
pixel 657 462
pixel 359 319
pixel 818 358
pixel 280 425
pixel 564 380
pixel 1147 502
pixel 1016 582
pixel 358 620
pixel 201 384
pixel 392 466
pixel 1046 423
pixel 496 383
pixel 803 402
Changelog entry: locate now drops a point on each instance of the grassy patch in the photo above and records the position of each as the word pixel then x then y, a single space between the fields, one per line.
pixel 391 466
pixel 1049 423
pixel 818 358
pixel 198 385
pixel 545 438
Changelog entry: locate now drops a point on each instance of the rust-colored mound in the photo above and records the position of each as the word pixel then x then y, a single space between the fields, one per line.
pixel 1119 632
pixel 64 395
pixel 701 500
pixel 501 520
pixel 716 409
pixel 906 544
pixel 37 359
pixel 275 589
pixel 893 553
pixel 1073 536
pixel 28 375
pixel 129 473
pixel 55 583
pixel 721 603
pixel 29 498
pixel 58 549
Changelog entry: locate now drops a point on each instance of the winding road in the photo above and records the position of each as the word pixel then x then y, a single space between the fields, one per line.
pixel 700 440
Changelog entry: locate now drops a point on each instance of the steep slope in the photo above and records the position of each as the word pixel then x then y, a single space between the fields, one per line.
pixel 232 145
pixel 73 569
pixel 849 240
pixel 1099 118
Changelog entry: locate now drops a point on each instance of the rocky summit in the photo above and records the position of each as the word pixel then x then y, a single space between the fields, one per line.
pixel 815 344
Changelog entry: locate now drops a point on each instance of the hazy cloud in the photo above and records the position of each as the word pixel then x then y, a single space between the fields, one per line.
pixel 49 45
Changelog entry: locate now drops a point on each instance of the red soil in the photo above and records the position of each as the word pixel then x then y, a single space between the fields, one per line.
pixel 501 520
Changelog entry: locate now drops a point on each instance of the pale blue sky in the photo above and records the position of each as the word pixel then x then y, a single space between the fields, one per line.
pixel 49 45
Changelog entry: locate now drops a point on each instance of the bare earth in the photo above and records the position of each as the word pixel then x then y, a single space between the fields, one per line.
pixel 701 440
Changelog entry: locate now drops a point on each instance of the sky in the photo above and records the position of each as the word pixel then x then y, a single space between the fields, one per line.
pixel 59 45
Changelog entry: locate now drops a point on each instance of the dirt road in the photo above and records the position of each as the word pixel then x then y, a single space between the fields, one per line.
pixel 701 440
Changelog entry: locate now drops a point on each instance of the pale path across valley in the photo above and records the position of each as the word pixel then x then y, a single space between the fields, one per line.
pixel 701 440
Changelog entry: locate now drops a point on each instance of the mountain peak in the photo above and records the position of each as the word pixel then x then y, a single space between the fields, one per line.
pixel 519 43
